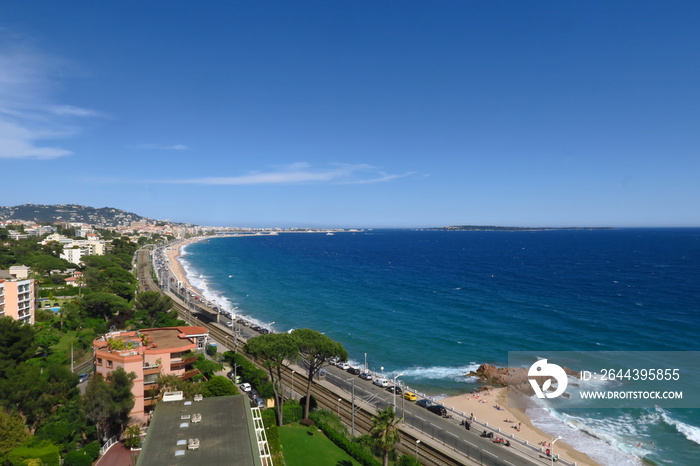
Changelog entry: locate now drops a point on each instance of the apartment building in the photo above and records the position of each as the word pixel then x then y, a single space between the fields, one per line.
pixel 149 353
pixel 17 298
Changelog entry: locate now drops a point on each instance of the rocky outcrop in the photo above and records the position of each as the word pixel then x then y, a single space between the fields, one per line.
pixel 513 377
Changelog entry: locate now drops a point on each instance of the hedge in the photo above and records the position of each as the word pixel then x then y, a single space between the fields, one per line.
pixel 357 452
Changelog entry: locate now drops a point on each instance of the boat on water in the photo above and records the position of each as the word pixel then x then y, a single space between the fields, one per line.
pixel 330 233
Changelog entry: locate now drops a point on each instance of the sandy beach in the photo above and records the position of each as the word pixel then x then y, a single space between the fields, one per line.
pixel 172 253
pixel 482 404
pixel 510 420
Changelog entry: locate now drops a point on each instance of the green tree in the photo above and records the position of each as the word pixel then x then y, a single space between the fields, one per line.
pixel 107 403
pixel 13 433
pixel 16 343
pixel 133 436
pixel 219 386
pixel 274 350
pixel 46 338
pixel 384 432
pixel 206 366
pixel 316 349
pixel 104 305
pixel 154 309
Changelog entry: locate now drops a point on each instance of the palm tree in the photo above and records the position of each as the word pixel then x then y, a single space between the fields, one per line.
pixel 385 432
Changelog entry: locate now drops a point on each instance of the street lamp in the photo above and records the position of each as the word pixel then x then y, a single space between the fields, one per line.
pixel 395 377
pixel 365 362
pixel 339 400
pixel 417 442
pixel 551 449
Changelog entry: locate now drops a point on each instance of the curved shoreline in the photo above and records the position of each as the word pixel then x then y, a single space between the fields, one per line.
pixel 483 411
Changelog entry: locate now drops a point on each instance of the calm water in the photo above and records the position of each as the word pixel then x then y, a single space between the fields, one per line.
pixel 434 305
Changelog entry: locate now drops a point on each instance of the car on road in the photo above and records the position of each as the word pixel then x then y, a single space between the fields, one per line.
pixel 410 396
pixel 333 361
pixel 366 376
pixel 343 365
pixel 246 387
pixel 394 389
pixel 381 383
pixel 438 409
pixel 83 377
pixel 424 403
pixel 355 370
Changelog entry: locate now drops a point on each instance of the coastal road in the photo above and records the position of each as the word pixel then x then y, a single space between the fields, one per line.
pixel 448 432
pixel 442 441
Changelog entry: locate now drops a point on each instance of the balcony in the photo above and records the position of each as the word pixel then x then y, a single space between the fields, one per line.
pixel 189 374
pixel 151 369
pixel 179 363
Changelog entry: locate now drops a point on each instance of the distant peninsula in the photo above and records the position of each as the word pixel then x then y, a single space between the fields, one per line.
pixel 501 228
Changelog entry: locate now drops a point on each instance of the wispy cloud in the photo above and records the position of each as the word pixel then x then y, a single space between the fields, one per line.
pixel 70 110
pixel 28 117
pixel 301 173
pixel 160 146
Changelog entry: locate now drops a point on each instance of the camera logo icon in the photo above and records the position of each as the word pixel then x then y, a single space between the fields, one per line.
pixel 542 368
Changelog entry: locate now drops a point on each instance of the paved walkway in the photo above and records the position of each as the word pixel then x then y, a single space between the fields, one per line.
pixel 117 455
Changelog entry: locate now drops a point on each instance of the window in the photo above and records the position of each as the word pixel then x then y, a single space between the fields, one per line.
pixel 99 361
pixel 109 363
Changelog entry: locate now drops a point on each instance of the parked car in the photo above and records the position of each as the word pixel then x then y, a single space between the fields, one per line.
pixel 438 409
pixel 355 370
pixel 424 403
pixel 343 365
pixel 246 387
pixel 381 383
pixel 83 377
pixel 410 396
pixel 258 402
pixel 333 361
pixel 394 389
pixel 366 376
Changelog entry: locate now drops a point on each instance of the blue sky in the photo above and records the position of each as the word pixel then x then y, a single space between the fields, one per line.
pixel 355 113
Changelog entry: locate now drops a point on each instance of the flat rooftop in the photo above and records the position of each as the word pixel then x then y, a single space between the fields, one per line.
pixel 226 434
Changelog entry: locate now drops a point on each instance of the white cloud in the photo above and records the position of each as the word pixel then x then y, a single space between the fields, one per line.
pixel 301 173
pixel 70 110
pixel 27 115
pixel 160 146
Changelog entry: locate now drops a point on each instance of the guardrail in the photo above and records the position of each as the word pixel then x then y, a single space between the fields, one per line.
pixel 108 444
pixel 447 438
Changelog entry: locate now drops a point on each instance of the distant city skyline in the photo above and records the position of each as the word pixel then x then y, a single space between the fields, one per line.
pixel 355 114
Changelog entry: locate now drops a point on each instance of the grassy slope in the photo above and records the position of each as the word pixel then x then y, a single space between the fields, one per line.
pixel 302 449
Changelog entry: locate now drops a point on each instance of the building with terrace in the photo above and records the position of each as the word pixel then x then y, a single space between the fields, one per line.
pixel 17 297
pixel 150 353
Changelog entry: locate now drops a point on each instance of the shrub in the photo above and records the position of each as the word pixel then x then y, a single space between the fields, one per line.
pixel 211 350
pixel 408 460
pixel 92 449
pixel 313 404
pixel 293 412
pixel 77 458
pixel 360 454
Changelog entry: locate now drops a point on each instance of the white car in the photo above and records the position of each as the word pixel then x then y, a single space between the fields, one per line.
pixel 381 382
pixel 343 365
pixel 246 387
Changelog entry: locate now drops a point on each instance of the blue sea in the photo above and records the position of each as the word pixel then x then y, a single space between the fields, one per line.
pixel 434 305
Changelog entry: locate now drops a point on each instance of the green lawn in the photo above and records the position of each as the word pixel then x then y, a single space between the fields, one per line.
pixel 301 449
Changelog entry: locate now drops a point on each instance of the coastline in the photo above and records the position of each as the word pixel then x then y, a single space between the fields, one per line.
pixel 481 404
pixel 173 253
pixel 511 421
